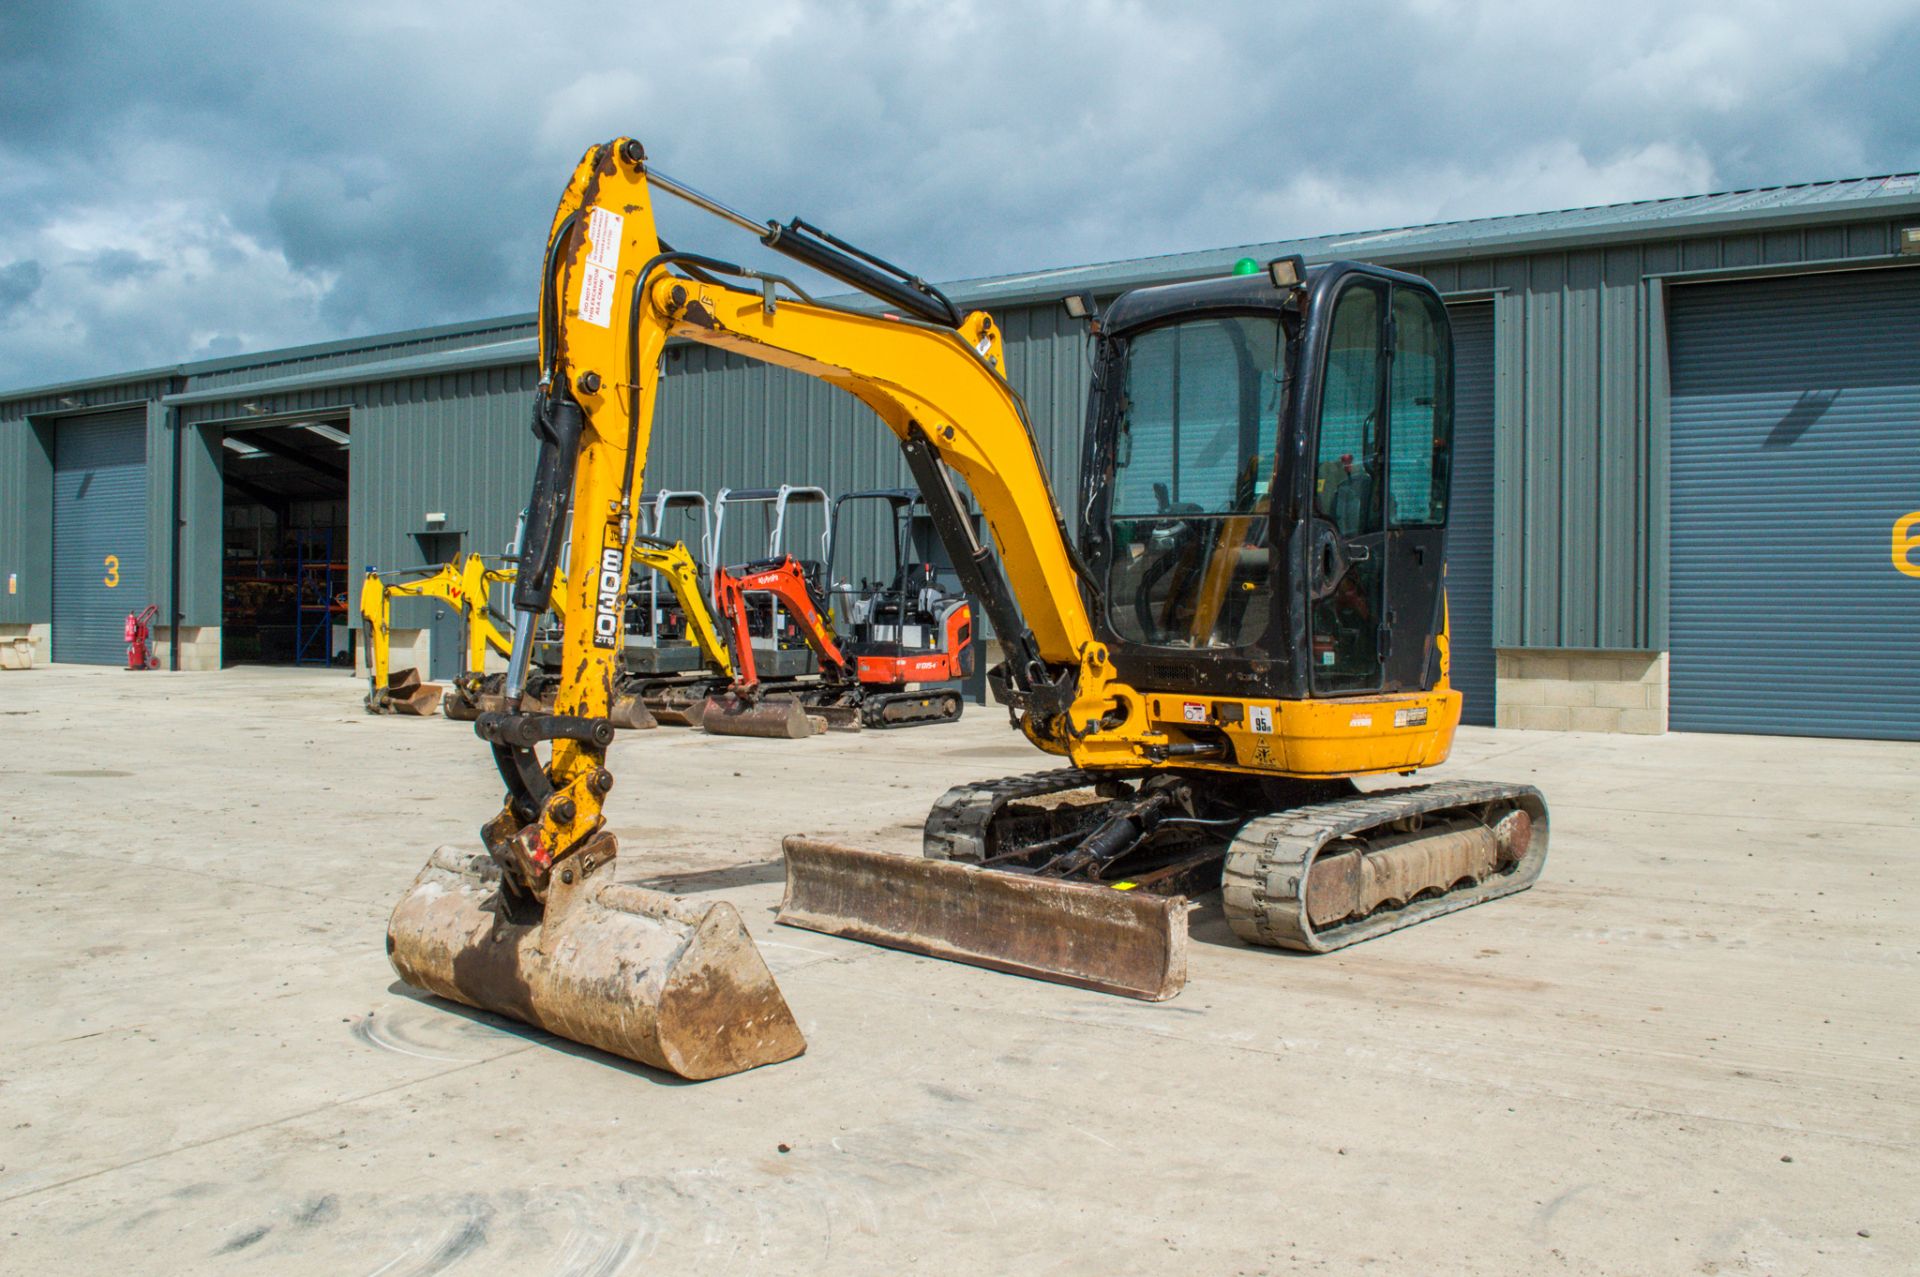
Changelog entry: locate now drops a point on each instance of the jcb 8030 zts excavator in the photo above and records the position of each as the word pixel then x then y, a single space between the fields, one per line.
pixel 1253 617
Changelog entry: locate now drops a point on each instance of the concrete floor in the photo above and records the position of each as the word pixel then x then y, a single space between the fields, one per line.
pixel 1685 1051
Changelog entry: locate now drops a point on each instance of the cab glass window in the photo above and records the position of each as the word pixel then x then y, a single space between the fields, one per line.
pixel 1348 464
pixel 1193 462
pixel 1422 424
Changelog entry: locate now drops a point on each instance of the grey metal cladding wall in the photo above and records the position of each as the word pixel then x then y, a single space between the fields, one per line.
pixel 1470 515
pixel 457 444
pixel 1047 354
pixel 99 533
pixel 1580 545
pixel 26 522
pixel 1796 448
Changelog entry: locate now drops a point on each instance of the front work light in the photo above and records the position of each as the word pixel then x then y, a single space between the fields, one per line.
pixel 1082 307
pixel 1287 272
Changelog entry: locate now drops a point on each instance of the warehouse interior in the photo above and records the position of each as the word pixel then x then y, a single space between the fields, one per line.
pixel 284 580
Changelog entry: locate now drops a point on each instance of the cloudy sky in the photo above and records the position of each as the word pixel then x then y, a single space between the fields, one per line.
pixel 181 180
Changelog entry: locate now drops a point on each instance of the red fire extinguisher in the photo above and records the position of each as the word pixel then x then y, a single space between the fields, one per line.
pixel 139 638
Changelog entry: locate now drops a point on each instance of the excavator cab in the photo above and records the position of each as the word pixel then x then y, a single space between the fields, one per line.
pixel 1255 531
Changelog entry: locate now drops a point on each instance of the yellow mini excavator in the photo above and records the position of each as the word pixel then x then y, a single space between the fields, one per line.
pixel 1251 617
pixel 463 587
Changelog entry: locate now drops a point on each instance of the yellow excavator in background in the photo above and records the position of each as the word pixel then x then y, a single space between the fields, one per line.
pixel 1252 616
pixel 465 587
pixel 659 681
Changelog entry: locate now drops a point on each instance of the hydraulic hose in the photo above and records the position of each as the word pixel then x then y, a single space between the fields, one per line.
pixel 557 424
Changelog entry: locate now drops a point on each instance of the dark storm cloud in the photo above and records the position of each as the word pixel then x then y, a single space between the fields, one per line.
pixel 177 181
pixel 18 282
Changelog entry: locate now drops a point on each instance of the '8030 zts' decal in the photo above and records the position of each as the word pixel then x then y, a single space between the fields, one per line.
pixel 606 612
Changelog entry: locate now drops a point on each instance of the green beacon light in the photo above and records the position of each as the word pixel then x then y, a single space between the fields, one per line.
pixel 1246 266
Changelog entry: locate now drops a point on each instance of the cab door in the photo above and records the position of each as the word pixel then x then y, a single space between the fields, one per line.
pixel 1347 577
pixel 1419 456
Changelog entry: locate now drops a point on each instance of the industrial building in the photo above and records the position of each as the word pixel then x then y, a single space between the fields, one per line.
pixel 1686 494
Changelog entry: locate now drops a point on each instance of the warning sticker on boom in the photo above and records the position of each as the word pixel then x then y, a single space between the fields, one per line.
pixel 603 239
pixel 596 296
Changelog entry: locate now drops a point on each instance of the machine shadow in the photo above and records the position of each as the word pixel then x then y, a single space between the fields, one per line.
pixel 695 882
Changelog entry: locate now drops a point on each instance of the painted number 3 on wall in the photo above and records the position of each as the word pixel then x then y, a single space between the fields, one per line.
pixel 1906 543
pixel 112 578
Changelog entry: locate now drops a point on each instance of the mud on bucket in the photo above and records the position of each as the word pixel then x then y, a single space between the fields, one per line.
pixel 636 972
pixel 778 717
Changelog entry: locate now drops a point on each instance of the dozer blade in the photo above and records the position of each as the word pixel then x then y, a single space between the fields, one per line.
pixel 639 973
pixel 780 717
pixel 1126 942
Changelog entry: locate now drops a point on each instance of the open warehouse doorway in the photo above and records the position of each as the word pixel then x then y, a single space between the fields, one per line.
pixel 284 583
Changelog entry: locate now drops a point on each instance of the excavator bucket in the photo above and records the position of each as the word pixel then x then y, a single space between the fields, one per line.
pixel 779 717
pixel 406 694
pixel 631 712
pixel 677 709
pixel 639 973
pixel 1126 942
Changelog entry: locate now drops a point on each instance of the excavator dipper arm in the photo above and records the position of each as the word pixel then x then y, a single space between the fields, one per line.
pixel 786 581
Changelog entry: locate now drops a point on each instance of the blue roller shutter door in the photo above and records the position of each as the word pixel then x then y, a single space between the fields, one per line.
pixel 99 534
pixel 1796 451
pixel 1470 521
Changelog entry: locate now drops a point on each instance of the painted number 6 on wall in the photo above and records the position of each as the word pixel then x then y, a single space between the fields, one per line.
pixel 1906 542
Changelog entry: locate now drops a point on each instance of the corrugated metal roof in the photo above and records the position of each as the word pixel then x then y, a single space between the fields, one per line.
pixel 492 355
pixel 1755 209
pixel 284 354
pixel 94 383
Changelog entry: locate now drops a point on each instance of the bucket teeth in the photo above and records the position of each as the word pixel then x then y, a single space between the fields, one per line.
pixel 1096 937
pixel 641 974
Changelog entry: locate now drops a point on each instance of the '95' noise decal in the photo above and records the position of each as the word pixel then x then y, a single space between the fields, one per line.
pixel 606 612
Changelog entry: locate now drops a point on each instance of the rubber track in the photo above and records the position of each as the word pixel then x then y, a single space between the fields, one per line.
pixel 873 711
pixel 957 826
pixel 1265 877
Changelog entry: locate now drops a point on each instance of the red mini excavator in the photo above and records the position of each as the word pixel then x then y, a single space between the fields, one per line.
pixel 903 628
pixel 791 708
pixel 900 635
